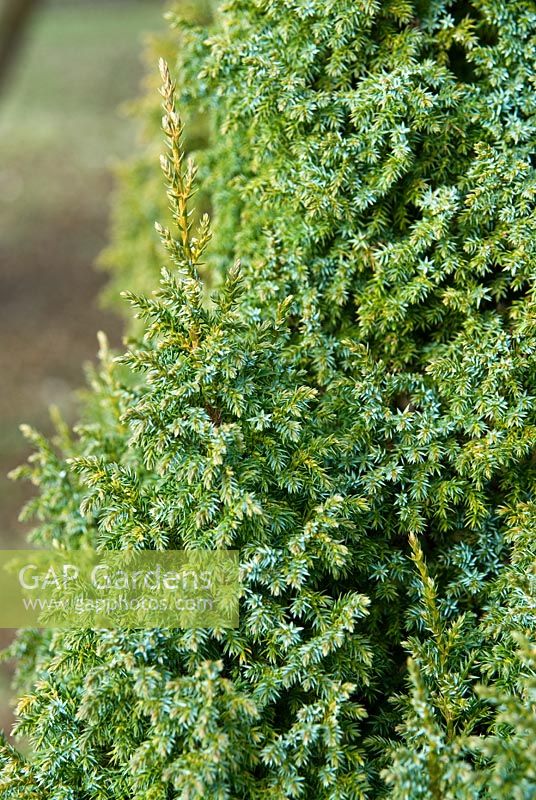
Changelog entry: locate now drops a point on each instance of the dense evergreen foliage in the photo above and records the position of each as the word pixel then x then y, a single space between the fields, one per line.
pixel 352 408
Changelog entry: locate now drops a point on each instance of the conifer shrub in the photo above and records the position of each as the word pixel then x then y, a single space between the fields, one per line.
pixel 352 408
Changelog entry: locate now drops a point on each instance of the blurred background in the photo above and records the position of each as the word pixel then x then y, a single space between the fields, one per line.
pixel 66 67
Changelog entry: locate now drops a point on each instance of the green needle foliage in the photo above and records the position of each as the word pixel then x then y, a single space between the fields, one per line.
pixel 353 408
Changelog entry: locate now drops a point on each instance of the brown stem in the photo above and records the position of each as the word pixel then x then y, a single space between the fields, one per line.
pixel 14 18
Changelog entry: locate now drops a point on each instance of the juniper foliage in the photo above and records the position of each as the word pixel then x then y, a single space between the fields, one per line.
pixel 135 255
pixel 353 409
